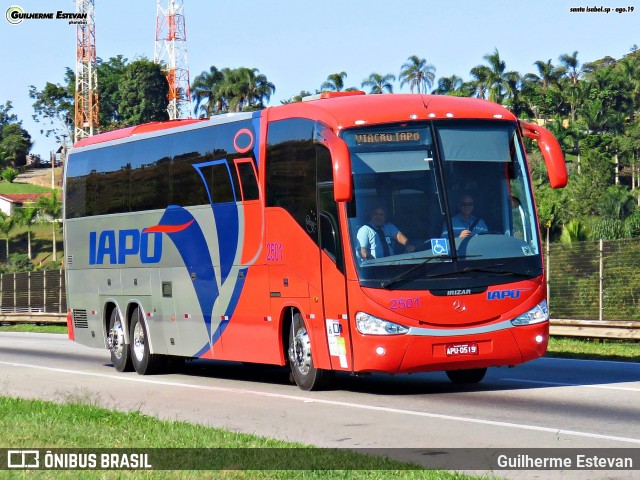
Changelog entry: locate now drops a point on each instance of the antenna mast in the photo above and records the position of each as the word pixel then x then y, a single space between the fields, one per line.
pixel 171 52
pixel 86 101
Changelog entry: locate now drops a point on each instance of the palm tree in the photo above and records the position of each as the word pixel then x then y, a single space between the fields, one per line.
pixel 27 216
pixel 379 83
pixel 334 82
pixel 448 85
pixel 549 74
pixel 570 64
pixel 6 225
pixel 246 88
pixel 493 77
pixel 206 93
pixel 52 208
pixel 480 80
pixel 546 98
pixel 260 89
pixel 419 74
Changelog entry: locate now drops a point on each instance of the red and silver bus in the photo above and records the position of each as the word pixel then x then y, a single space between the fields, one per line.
pixel 242 238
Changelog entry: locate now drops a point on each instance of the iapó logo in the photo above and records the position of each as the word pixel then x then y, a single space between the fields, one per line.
pixel 14 14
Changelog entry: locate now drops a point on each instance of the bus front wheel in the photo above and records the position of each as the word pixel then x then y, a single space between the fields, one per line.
pixel 144 362
pixel 119 349
pixel 305 375
pixel 473 375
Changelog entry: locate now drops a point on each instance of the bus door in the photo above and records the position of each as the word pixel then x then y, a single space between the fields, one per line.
pixel 334 287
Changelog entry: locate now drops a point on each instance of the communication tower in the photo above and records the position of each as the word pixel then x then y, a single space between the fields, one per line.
pixel 86 101
pixel 171 52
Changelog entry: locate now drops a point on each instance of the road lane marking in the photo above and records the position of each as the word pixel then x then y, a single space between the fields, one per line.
pixel 562 384
pixel 359 406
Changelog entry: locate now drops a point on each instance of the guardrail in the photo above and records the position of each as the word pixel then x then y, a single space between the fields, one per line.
pixel 612 329
pixel 34 317
pixel 624 330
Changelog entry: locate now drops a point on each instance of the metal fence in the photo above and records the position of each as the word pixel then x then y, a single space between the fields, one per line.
pixel 594 280
pixel 33 292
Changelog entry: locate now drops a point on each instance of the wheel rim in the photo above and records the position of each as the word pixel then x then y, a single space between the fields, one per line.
pixel 116 339
pixel 300 351
pixel 138 341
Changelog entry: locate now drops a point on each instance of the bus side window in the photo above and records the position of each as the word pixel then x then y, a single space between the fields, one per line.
pixel 220 180
pixel 328 240
pixel 248 181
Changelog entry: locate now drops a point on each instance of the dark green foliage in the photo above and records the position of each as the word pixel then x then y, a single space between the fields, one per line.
pixel 142 93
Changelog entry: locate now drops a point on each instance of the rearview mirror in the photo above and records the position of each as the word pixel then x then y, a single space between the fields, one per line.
pixel 551 152
pixel 340 164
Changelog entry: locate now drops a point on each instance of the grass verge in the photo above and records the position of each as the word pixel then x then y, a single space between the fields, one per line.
pixel 31 328
pixel 39 424
pixel 594 349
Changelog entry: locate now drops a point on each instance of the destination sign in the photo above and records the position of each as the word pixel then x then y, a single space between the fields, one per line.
pixel 387 137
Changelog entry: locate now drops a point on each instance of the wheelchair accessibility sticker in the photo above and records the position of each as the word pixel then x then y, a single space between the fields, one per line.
pixel 439 246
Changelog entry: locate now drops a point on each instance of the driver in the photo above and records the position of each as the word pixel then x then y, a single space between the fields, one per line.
pixel 375 238
pixel 464 223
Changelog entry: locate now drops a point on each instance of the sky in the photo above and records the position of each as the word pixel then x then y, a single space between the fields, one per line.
pixel 297 43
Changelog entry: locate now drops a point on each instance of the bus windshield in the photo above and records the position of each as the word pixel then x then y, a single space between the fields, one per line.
pixel 441 204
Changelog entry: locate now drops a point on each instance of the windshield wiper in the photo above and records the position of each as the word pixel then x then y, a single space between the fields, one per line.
pixel 402 275
pixel 487 269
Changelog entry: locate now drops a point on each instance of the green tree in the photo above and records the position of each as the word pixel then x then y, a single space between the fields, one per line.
pixel 110 76
pixel 418 74
pixel 9 174
pixel 334 82
pixel 545 87
pixel 571 73
pixel 15 143
pixel 27 216
pixel 224 90
pixel 493 77
pixel 574 231
pixel 379 83
pixel 51 207
pixel 53 106
pixel 142 93
pixel 206 91
pixel 6 225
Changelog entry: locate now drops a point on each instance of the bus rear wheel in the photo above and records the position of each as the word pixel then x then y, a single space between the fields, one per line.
pixel 304 374
pixel 119 349
pixel 144 362
pixel 473 375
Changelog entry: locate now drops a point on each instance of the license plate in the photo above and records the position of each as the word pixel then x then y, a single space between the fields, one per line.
pixel 454 349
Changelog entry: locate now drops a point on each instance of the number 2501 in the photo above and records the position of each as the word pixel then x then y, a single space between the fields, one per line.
pixel 402 303
pixel 274 251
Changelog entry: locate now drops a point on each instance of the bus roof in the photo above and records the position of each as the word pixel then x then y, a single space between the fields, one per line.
pixel 343 110
pixel 130 131
pixel 359 110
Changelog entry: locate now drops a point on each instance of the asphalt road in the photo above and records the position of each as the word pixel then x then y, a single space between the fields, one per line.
pixel 547 403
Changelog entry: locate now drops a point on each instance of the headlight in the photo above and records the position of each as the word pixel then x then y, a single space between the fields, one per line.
pixel 538 314
pixel 370 325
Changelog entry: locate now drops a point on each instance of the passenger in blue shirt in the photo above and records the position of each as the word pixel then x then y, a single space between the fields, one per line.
pixel 375 239
pixel 464 223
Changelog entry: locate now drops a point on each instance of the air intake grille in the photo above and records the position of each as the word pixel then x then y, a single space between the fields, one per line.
pixel 80 319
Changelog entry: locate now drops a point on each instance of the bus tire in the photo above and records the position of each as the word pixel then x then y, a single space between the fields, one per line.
pixel 304 374
pixel 144 362
pixel 461 377
pixel 118 346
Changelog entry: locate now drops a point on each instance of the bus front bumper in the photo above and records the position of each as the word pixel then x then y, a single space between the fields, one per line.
pixel 439 350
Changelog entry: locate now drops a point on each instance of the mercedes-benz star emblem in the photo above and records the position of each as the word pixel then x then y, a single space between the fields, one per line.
pixel 459 307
